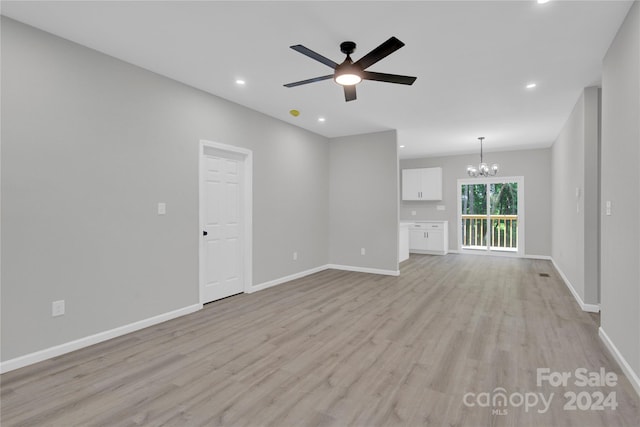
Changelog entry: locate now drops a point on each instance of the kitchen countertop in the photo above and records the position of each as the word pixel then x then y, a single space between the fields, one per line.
pixel 404 223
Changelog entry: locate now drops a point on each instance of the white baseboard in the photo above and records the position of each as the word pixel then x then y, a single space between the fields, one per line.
pixel 495 253
pixel 302 274
pixel 543 257
pixel 285 279
pixel 70 346
pixel 626 368
pixel 423 252
pixel 592 308
pixel 58 350
pixel 364 270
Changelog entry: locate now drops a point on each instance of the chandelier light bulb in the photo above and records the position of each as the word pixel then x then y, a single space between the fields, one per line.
pixel 483 168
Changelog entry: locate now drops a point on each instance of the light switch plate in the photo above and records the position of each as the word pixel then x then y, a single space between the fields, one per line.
pixel 162 208
pixel 57 308
pixel 607 207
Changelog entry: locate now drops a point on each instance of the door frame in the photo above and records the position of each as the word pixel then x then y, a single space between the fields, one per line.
pixel 521 209
pixel 246 183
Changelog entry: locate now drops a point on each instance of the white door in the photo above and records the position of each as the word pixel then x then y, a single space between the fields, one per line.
pixel 222 234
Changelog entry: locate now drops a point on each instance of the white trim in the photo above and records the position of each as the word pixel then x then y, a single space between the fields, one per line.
pixel 247 222
pixel 426 252
pixel 626 368
pixel 543 257
pixel 70 346
pixel 592 308
pixel 301 274
pixel 364 270
pixel 499 254
pixel 484 252
pixel 288 278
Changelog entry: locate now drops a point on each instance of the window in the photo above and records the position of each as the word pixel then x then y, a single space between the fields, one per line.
pixel 490 215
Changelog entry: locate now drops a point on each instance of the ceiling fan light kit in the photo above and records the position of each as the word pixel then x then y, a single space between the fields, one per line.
pixel 349 73
pixel 483 169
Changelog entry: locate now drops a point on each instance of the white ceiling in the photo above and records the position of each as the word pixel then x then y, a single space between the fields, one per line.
pixel 472 59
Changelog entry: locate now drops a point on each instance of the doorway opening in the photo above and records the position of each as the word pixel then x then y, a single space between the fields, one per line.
pixel 491 215
pixel 225 221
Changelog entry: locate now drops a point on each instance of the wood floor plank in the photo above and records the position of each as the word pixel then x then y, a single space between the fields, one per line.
pixel 339 349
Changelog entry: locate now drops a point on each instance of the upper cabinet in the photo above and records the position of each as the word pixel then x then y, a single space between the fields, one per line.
pixel 422 184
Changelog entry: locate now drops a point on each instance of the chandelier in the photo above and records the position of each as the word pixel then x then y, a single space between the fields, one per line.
pixel 483 169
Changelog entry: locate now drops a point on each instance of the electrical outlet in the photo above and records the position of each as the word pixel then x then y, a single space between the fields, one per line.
pixel 413 213
pixel 295 256
pixel 362 251
pixel 57 308
pixel 607 207
pixel 162 208
pixel 440 207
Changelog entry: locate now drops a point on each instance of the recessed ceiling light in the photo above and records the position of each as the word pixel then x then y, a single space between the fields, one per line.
pixel 402 146
pixel 531 85
pixel 543 1
pixel 321 119
pixel 240 82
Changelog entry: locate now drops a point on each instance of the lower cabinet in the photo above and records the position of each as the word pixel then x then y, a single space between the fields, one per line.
pixel 429 237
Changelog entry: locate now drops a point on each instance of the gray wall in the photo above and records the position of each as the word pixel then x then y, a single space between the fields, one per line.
pixel 90 145
pixel 575 218
pixel 620 261
pixel 534 165
pixel 364 200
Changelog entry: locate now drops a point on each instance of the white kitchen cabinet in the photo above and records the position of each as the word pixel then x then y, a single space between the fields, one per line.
pixel 429 237
pixel 422 184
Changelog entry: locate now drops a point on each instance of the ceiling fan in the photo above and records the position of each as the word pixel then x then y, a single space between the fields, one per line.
pixel 349 73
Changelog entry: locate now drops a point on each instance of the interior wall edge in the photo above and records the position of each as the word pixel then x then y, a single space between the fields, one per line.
pixel 591 308
pixel 619 358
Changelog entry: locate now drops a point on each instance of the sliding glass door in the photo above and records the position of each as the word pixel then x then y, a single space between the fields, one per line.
pixel 489 215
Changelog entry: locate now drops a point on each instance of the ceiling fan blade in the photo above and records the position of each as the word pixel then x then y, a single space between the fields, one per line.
pixel 304 82
pixel 350 93
pixel 385 49
pixel 313 55
pixel 389 78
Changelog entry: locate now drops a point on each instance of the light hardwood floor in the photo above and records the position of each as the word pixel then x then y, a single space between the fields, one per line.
pixel 339 349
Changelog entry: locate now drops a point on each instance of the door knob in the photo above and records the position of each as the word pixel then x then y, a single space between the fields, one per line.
pixel 204 233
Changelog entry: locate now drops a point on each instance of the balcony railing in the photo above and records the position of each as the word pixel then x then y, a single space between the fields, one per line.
pixel 503 232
